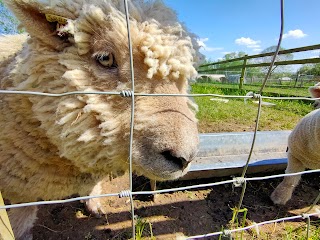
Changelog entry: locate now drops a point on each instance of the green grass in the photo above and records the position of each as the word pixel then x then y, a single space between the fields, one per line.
pixel 274 90
pixel 238 115
pixel 141 229
pixel 300 233
pixel 280 231
pixel 291 232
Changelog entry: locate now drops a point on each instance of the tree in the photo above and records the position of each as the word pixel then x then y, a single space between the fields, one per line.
pixel 233 55
pixel 229 56
pixel 310 69
pixel 280 57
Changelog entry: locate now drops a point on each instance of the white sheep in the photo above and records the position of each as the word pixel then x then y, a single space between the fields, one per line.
pixel 52 147
pixel 303 144
pixel 315 93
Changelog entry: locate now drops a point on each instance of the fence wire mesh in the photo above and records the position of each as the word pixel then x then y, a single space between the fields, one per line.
pixel 284 78
pixel 239 182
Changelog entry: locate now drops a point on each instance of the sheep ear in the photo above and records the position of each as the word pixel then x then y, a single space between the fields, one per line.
pixel 315 91
pixel 39 24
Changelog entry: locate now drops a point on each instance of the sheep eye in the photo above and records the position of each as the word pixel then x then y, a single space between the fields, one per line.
pixel 107 60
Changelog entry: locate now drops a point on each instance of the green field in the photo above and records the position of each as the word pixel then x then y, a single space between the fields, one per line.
pixel 237 115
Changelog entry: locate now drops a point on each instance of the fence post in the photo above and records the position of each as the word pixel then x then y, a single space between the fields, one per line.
pixel 6 232
pixel 301 81
pixel 297 78
pixel 243 71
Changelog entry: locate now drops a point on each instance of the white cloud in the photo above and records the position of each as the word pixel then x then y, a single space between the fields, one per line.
pixel 253 46
pixel 257 50
pixel 248 42
pixel 204 46
pixel 294 34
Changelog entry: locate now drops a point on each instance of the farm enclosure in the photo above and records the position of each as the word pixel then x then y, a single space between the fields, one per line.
pixel 209 121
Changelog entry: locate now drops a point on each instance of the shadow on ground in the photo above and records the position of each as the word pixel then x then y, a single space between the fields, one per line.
pixel 185 213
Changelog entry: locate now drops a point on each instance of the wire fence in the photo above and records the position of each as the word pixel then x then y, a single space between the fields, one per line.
pixel 281 79
pixel 292 68
pixel 238 182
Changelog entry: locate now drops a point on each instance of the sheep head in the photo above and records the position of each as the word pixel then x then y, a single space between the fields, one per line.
pixel 82 45
pixel 315 93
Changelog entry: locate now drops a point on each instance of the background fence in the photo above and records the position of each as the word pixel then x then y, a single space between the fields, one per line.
pixel 252 69
pixel 241 181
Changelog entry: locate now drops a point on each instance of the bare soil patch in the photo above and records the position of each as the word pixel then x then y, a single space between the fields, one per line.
pixel 174 214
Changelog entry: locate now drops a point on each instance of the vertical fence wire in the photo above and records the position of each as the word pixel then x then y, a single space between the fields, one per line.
pixel 132 117
pixel 308 228
pixel 264 83
pixel 237 209
pixel 241 179
pixel 278 46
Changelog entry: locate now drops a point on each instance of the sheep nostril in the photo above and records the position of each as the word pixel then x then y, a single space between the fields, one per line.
pixel 179 161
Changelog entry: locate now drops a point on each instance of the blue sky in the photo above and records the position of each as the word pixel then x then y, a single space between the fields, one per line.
pixel 225 26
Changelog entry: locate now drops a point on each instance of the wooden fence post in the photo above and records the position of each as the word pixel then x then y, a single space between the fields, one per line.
pixel 243 71
pixel 297 78
pixel 6 232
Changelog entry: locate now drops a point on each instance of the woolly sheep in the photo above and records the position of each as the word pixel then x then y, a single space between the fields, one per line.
pixel 303 143
pixel 52 147
pixel 315 93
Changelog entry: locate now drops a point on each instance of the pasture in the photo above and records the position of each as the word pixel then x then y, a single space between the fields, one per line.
pixel 238 115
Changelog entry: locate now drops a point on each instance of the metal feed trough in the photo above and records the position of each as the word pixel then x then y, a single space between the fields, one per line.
pixel 224 154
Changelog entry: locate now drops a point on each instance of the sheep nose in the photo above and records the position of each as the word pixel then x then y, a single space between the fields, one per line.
pixel 179 161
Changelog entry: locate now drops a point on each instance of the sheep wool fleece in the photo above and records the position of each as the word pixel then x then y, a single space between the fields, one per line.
pixel 53 147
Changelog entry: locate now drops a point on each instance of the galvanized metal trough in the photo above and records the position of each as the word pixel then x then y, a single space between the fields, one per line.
pixel 225 154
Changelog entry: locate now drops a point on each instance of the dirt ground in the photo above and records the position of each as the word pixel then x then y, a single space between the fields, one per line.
pixel 176 214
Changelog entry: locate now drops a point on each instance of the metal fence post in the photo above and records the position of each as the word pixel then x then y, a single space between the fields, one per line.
pixel 243 71
pixel 6 232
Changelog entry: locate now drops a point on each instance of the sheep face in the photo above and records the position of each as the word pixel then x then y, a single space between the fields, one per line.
pixel 315 93
pixel 89 51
